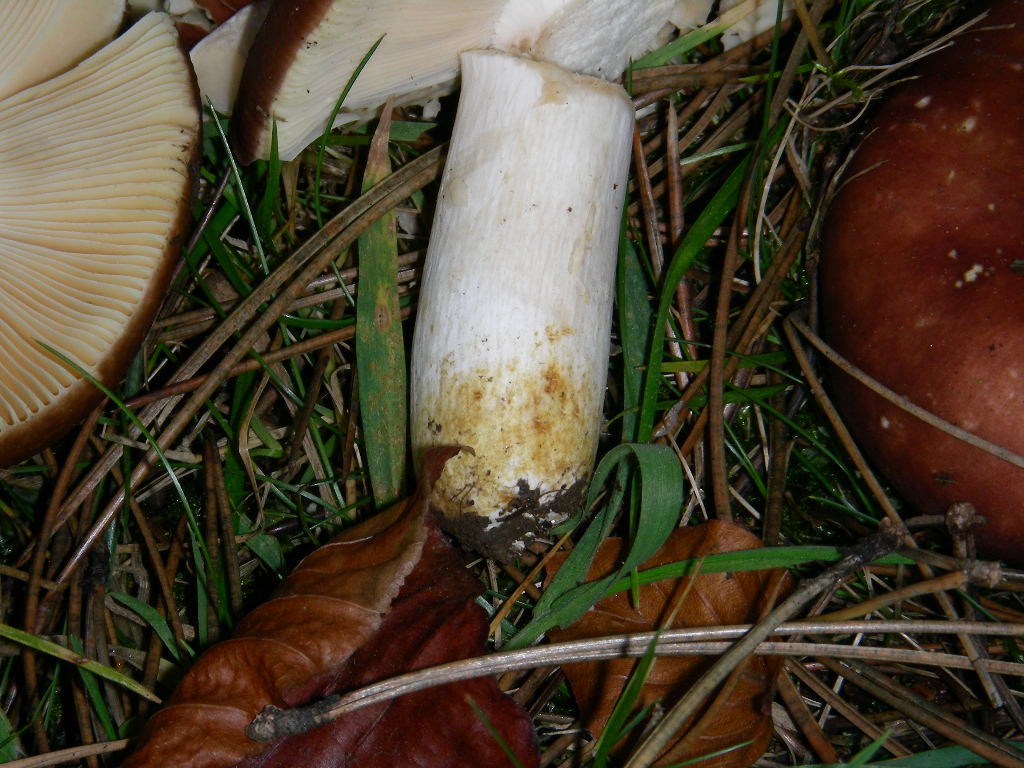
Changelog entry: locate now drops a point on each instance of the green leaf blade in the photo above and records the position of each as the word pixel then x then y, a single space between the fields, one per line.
pixel 380 347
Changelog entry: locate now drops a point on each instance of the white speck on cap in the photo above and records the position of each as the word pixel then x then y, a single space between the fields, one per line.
pixel 973 273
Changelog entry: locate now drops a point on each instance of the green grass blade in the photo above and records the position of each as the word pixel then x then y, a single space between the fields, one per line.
pixel 380 349
pixel 763 360
pixel 61 653
pixel 746 560
pixel 943 757
pixel 266 209
pixel 619 724
pixel 634 317
pixel 661 493
pixel 720 206
pixel 8 748
pixel 494 732
pixel 325 136
pixel 202 587
pixel 152 617
pixel 236 176
pixel 269 551
pixel 93 692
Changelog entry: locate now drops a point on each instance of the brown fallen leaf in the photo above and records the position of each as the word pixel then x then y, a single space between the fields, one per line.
pixel 741 709
pixel 386 597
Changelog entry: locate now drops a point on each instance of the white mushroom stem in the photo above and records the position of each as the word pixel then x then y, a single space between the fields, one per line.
pixel 738 20
pixel 511 341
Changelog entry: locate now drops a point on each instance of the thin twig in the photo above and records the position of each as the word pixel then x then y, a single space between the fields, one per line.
pixel 274 722
pixel 953 728
pixel 267 725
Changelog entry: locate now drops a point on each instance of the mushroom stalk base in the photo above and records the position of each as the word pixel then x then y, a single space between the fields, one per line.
pixel 510 351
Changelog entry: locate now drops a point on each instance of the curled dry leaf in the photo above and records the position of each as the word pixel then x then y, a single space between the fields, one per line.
pixel 740 713
pixel 386 597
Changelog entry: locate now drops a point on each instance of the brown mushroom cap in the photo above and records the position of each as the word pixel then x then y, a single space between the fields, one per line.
pixel 923 279
pixel 95 181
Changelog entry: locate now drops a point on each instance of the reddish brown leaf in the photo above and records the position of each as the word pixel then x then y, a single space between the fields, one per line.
pixel 221 10
pixel 190 34
pixel 741 710
pixel 387 597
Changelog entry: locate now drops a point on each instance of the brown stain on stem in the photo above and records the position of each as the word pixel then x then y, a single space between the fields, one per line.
pixel 533 429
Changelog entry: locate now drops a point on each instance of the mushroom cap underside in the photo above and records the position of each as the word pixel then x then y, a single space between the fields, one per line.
pixel 96 171
pixel 305 53
pixel 41 38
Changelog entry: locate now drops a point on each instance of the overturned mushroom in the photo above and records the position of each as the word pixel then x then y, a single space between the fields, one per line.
pixel 94 188
pixel 304 54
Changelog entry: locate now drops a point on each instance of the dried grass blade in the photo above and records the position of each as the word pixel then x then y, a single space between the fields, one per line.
pixel 60 652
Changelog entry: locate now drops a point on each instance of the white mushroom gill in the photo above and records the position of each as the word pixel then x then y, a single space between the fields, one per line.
pixel 219 58
pixel 417 58
pixel 39 38
pixel 94 172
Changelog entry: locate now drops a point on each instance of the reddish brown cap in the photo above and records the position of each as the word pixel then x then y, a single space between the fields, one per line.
pixel 923 278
